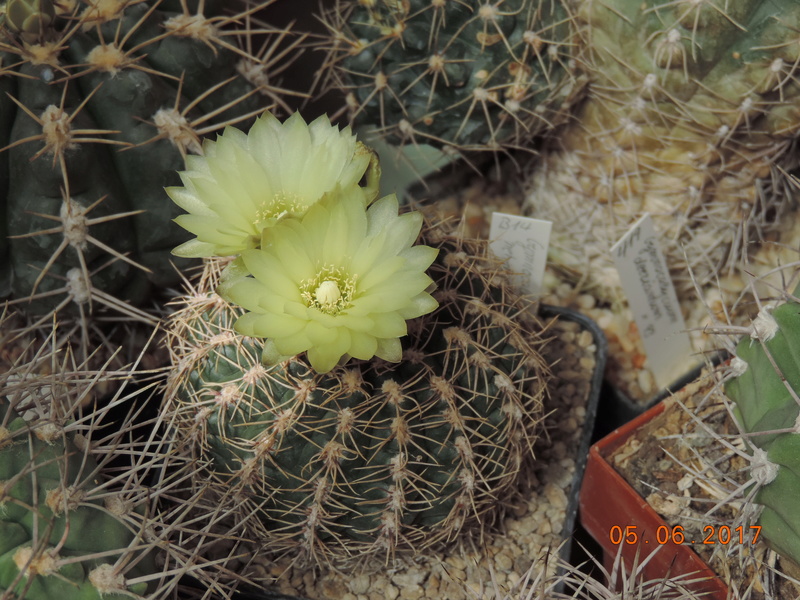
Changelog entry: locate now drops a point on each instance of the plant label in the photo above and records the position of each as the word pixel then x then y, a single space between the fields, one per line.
pixel 522 242
pixel 652 298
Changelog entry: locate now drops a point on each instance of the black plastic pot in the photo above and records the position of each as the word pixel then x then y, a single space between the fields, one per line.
pixel 570 523
pixel 592 404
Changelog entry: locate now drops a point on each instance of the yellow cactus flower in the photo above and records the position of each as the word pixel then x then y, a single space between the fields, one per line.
pixel 339 282
pixel 246 183
pixel 30 19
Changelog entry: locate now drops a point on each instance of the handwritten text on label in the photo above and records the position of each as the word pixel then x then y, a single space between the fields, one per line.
pixel 522 242
pixel 652 298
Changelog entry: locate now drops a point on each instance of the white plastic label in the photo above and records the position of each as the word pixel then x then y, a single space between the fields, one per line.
pixel 652 298
pixel 522 242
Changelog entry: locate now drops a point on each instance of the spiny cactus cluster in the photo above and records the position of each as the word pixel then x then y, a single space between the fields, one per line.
pixel 372 458
pixel 465 76
pixel 92 505
pixel 691 115
pixel 99 104
pixel 765 385
pixel 70 528
pixel 59 525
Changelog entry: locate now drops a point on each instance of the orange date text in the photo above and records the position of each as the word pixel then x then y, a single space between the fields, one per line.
pixel 712 534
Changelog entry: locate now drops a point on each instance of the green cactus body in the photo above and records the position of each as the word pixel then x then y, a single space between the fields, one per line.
pixel 691 115
pixel 57 537
pixel 97 111
pixel 767 408
pixel 373 458
pixel 462 75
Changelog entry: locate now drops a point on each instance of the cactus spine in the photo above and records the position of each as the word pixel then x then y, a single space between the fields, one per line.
pixel 91 507
pixel 70 526
pixel 56 528
pixel 691 115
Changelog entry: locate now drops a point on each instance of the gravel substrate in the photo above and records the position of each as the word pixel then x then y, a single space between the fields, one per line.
pixel 728 299
pixel 533 530
pixel 718 301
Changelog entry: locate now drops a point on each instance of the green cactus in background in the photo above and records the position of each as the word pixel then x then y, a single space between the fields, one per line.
pixel 99 104
pixel 90 506
pixel 72 513
pixel 58 537
pixel 371 458
pixel 465 76
pixel 765 388
pixel 691 115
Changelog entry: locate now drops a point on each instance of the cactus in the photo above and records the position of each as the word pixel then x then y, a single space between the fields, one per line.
pixel 69 526
pixel 56 528
pixel 371 458
pixel 691 114
pixel 465 76
pixel 765 386
pixel 99 104
pixel 90 506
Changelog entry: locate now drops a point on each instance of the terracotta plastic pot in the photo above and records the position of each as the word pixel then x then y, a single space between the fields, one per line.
pixel 615 515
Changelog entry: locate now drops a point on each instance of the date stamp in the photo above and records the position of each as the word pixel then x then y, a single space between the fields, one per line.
pixel 712 534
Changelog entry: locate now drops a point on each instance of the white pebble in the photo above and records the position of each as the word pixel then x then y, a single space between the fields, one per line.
pixel 359 584
pixel 409 578
pixel 525 526
pixel 390 592
pixel 503 562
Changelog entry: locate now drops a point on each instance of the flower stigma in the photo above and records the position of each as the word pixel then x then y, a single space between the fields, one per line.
pixel 330 290
pixel 328 293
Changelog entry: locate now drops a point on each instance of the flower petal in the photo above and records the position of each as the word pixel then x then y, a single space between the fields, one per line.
pixel 245 183
pixel 213 232
pixel 292 345
pixel 377 275
pixel 362 345
pixel 270 356
pixel 247 293
pixel 189 201
pixel 194 249
pixel 382 214
pixel 419 305
pixel 324 358
pixel 320 335
pixel 268 325
pixel 419 258
pixel 389 325
pixel 390 349
pixel 271 274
